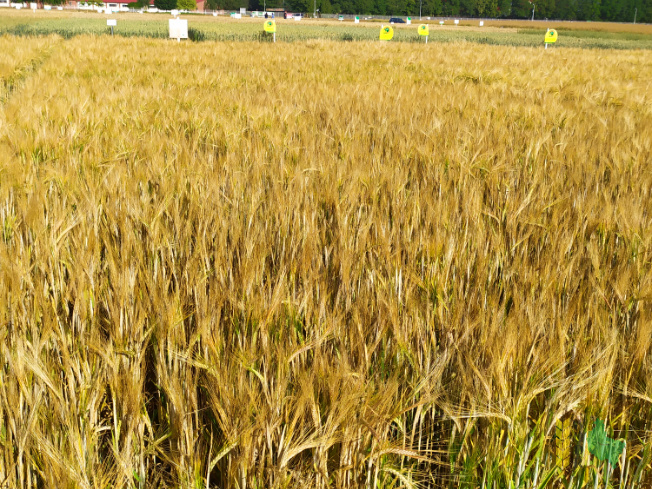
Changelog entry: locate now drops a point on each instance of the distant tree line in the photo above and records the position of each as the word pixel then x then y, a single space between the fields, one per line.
pixel 594 10
pixel 169 4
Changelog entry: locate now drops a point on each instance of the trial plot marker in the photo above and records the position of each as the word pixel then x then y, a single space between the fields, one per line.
pixel 551 37
pixel 386 33
pixel 178 29
pixel 424 30
pixel 270 27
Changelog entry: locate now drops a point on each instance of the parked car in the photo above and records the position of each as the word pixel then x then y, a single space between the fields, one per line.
pixel 396 20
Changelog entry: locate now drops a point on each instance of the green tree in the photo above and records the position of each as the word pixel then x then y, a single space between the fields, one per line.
pixel 566 10
pixel 504 8
pixel 187 4
pixel 165 4
pixel 411 8
pixel 646 11
pixel 347 7
pixel 588 10
pixel 299 5
pixel 545 9
pixel 365 6
pixel 490 9
pixel 432 8
pixel 380 7
pixel 468 7
pixel 521 9
pixel 396 7
pixel 611 9
pixel 451 7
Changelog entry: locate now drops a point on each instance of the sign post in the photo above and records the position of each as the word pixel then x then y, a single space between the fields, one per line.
pixel 386 33
pixel 178 29
pixel 270 27
pixel 551 37
pixel 111 23
pixel 424 30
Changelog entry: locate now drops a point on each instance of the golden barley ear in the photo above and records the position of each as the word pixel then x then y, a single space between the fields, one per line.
pixel 563 445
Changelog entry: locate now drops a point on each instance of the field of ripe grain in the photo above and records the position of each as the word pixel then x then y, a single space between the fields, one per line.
pixel 252 265
pixel 208 28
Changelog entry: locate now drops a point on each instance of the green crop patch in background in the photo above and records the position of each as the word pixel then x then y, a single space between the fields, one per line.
pixel 207 29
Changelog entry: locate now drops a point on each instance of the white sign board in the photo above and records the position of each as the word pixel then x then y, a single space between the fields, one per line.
pixel 178 29
pixel 47 7
pixel 111 22
pixel 357 20
pixel 409 21
pixel 481 23
pixel 243 11
pixel 297 17
pixel 457 21
pixel 174 13
pixel 33 5
pixel 236 16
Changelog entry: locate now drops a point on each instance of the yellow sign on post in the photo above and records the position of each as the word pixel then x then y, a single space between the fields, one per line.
pixel 270 26
pixel 551 37
pixel 386 33
pixel 424 30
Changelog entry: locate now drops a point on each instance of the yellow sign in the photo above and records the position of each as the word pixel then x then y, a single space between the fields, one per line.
pixel 386 33
pixel 551 36
pixel 270 26
pixel 424 30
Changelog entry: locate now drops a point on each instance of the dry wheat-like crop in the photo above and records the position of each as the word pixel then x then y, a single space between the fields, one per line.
pixel 569 25
pixel 323 264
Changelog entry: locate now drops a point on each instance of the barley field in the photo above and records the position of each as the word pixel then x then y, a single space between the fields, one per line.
pixel 323 264
pixel 588 35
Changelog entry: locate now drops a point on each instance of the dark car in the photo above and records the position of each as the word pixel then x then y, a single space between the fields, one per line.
pixel 396 20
